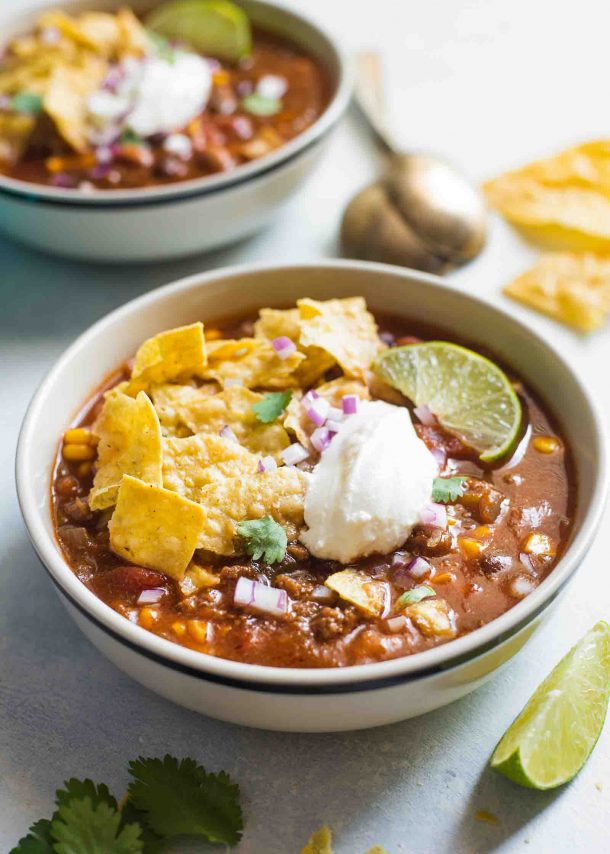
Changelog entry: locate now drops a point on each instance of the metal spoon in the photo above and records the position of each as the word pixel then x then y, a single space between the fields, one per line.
pixel 422 212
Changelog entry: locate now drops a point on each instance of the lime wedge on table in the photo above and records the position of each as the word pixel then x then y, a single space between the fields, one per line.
pixel 553 736
pixel 468 394
pixel 217 28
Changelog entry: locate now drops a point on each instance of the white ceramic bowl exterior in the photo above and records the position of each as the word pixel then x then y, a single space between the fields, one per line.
pixel 190 216
pixel 283 698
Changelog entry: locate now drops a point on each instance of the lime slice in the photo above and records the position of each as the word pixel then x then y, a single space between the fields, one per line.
pixel 555 733
pixel 468 394
pixel 216 28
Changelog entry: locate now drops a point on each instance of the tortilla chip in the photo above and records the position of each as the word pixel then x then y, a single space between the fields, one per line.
pixel 154 527
pixel 562 202
pixel 192 463
pixel 432 617
pixel 274 323
pixel 97 31
pixel 342 328
pixel 360 590
pixel 279 493
pixel 65 98
pixel 15 133
pixel 201 412
pixel 171 400
pixel 321 842
pixel 298 422
pixel 197 577
pixel 252 362
pixel 130 443
pixel 574 289
pixel 174 354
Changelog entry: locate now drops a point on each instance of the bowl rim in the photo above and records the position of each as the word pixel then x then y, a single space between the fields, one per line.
pixel 283 679
pixel 208 184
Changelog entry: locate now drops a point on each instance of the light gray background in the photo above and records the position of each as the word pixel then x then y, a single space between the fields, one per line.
pixel 490 83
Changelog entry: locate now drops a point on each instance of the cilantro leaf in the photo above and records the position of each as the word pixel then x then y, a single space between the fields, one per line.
pixel 414 595
pixel 80 826
pixel 182 798
pixel 271 406
pixel 162 47
pixel 260 105
pixel 264 538
pixel 28 103
pixel 446 490
pixel 153 843
pixel 38 840
pixel 130 137
pixel 79 789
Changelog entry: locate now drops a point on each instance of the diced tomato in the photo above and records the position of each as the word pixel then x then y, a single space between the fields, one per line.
pixel 126 580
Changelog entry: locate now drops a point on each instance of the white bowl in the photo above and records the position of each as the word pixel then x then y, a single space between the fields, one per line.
pixel 288 698
pixel 189 216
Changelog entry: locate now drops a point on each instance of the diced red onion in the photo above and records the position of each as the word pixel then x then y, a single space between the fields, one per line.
pixel 349 404
pixel 434 514
pixel 283 346
pixel 227 433
pixel 294 454
pixel 5 101
pixel 99 172
pixel 179 144
pixel 266 464
pixel 272 86
pixel 332 425
pixel 418 568
pixel 323 595
pixel 317 411
pixel 242 126
pixel 321 438
pixel 269 600
pixel 387 338
pixel 105 154
pixel 63 180
pixel 151 596
pixel 86 186
pixel 396 624
pixel 440 456
pixel 335 413
pixel 424 414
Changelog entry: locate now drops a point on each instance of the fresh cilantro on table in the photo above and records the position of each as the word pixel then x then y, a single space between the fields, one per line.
pixel 271 406
pixel 264 538
pixel 183 798
pixel 166 798
pixel 446 490
pixel 414 595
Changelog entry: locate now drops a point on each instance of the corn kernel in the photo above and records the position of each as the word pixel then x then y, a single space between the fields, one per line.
pixel 77 436
pixel 443 578
pixel 470 547
pixel 538 544
pixel 546 444
pixel 198 630
pixel 78 453
pixel 212 334
pixel 482 532
pixel 84 470
pixel 179 628
pixel 148 617
pixel 221 77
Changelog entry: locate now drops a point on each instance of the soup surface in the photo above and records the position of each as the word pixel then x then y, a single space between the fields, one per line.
pixel 81 108
pixel 485 549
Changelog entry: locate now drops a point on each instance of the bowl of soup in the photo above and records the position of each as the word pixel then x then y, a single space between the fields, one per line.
pixel 127 133
pixel 252 515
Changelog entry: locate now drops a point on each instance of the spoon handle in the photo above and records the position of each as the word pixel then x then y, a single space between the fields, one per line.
pixel 370 99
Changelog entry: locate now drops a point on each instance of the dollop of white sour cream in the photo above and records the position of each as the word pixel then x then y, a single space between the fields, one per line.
pixel 370 486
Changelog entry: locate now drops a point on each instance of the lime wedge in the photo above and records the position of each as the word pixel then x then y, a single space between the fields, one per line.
pixel 555 733
pixel 468 394
pixel 216 28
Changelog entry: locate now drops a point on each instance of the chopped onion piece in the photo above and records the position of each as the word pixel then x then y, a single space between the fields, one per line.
pixel 321 438
pixel 178 144
pixel 323 595
pixel 272 86
pixel 349 404
pixel 521 586
pixel 419 568
pixel 395 624
pixel 227 433
pixel 266 464
pixel 440 456
pixel 335 413
pixel 434 514
pixel 231 383
pixel 294 454
pixel 424 414
pixel 283 346
pixel 309 398
pixel 317 411
pixel 269 600
pixel 151 596
pixel 332 425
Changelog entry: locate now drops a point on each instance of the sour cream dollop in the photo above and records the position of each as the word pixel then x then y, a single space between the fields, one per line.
pixel 154 95
pixel 370 486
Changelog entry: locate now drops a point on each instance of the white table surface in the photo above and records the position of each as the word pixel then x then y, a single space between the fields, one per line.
pixel 489 83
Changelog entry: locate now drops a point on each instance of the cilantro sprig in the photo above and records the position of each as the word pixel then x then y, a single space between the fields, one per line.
pixel 264 538
pixel 271 406
pixel 166 798
pixel 28 103
pixel 446 490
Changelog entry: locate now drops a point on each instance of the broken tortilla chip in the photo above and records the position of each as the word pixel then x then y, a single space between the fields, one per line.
pixel 65 98
pixel 296 419
pixel 252 362
pixel 155 527
pixel 359 589
pixel 174 354
pixel 129 443
pixel 571 288
pixel 561 202
pixel 279 494
pixel 275 323
pixel 194 462
pixel 344 329
pixel 15 132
